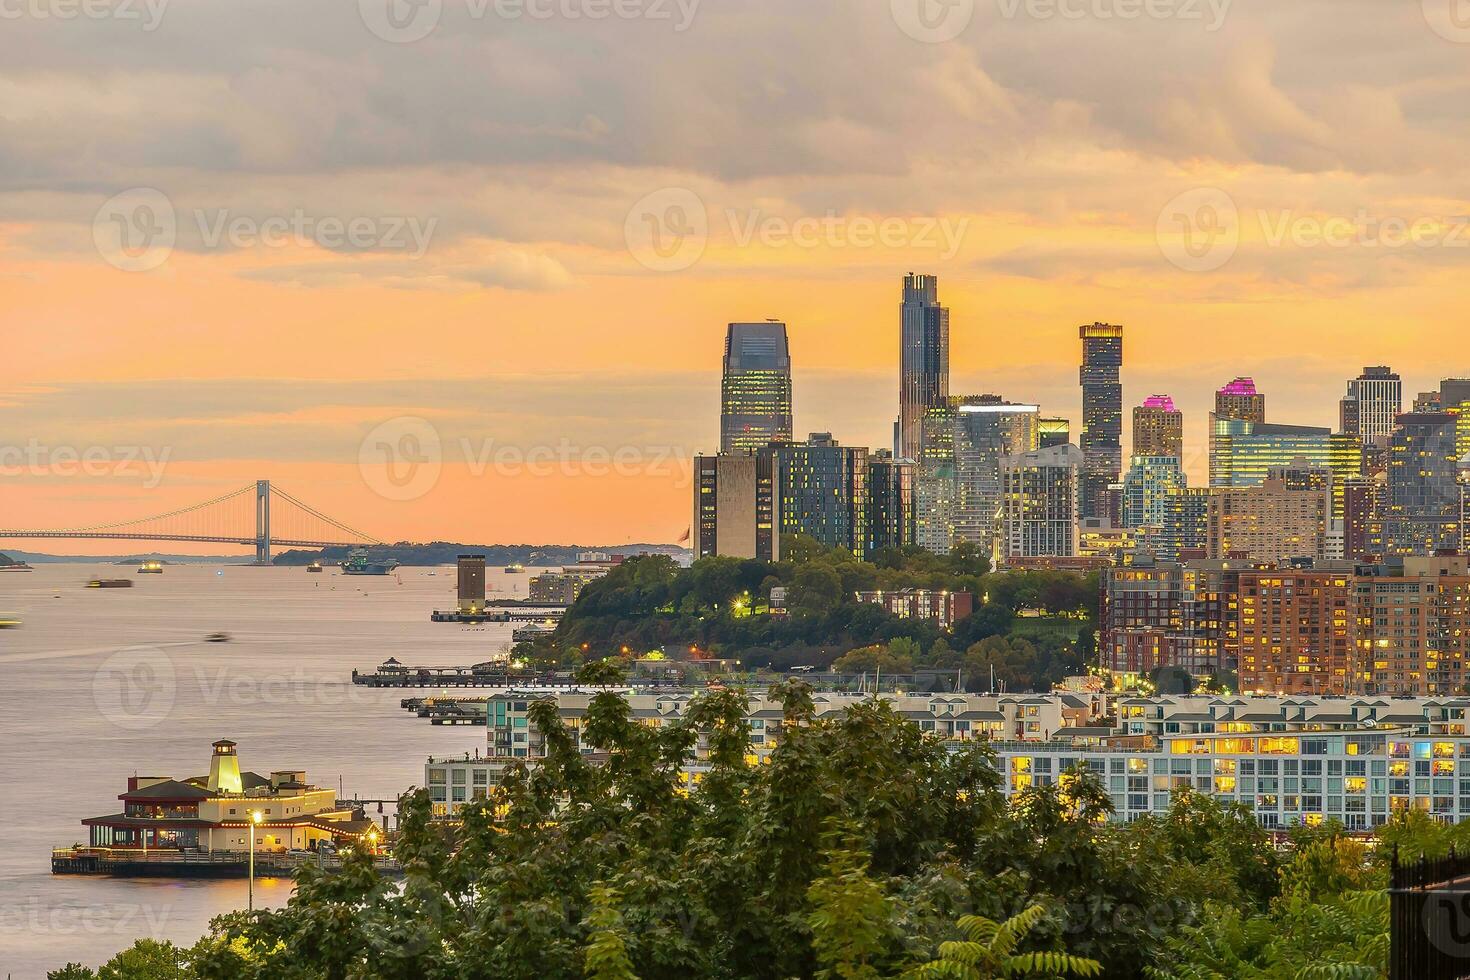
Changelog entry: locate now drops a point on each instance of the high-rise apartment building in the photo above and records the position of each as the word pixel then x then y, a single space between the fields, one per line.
pixel 821 490
pixel 1102 414
pixel 1298 630
pixel 1414 627
pixel 986 432
pixel 1158 428
pixel 1373 401
pixel 1039 502
pixel 755 391
pixel 923 359
pixel 1149 483
pixel 890 521
pixel 1240 400
pixel 1421 506
pixel 1274 522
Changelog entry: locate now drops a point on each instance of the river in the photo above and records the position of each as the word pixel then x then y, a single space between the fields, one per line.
pixel 101 684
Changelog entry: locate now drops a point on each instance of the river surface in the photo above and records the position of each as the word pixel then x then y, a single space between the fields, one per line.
pixel 101 684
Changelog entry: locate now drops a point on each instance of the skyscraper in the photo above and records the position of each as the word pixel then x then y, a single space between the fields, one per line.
pixel 923 359
pixel 1239 400
pixel 1242 454
pixel 1373 401
pixel 1039 503
pixel 1421 507
pixel 821 490
pixel 1158 428
pixel 755 393
pixel 985 432
pixel 1102 414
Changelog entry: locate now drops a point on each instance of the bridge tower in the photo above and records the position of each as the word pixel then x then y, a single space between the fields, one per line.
pixel 262 522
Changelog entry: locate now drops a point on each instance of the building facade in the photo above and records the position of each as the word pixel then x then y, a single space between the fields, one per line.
pixel 1158 428
pixel 985 432
pixel 923 359
pixel 755 390
pixel 1102 414
pixel 1273 522
pixel 1421 506
pixel 1039 503
pixel 1373 402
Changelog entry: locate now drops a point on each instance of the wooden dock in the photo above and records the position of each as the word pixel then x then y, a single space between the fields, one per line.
pixel 160 863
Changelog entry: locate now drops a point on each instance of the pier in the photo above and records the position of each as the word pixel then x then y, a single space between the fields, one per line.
pixel 165 863
pixel 522 612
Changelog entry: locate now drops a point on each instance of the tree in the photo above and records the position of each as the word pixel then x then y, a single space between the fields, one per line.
pixel 989 950
pixel 851 919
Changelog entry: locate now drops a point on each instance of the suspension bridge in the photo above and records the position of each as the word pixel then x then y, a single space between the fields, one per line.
pixel 244 516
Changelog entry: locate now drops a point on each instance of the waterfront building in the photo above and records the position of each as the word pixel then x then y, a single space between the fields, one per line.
pixel 1421 506
pixel 1274 522
pixel 562 586
pixel 755 390
pixel 1102 414
pixel 471 584
pixel 1289 761
pixel 1158 428
pixel 215 813
pixel 923 359
pixel 939 607
pixel 1373 401
pixel 1053 432
pixel 1039 503
pixel 985 432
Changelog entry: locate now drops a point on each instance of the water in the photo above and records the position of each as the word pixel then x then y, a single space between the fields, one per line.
pixel 100 684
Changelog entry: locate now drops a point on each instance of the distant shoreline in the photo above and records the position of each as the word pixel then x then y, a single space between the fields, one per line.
pixel 412 555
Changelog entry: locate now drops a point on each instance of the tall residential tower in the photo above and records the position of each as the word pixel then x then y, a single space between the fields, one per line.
pixel 923 377
pixel 1102 414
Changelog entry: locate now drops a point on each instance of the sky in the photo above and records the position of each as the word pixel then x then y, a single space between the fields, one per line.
pixel 461 269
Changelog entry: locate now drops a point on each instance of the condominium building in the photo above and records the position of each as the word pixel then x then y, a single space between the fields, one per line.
pixel 1158 428
pixel 1274 522
pixel 1298 630
pixel 1039 502
pixel 940 607
pixel 985 432
pixel 1296 761
pixel 1102 414
pixel 1373 401
pixel 1414 628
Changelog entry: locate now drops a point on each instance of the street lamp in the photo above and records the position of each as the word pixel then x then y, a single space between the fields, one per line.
pixel 255 819
pixel 372 836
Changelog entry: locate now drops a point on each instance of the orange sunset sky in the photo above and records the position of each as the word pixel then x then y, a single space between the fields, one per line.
pixel 1277 192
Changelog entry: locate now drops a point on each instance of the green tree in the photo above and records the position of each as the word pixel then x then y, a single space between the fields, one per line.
pixel 989 950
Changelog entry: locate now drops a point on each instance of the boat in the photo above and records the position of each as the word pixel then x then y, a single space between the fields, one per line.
pixel 315 566
pixel 358 563
pixel 18 566
pixel 110 583
pixel 515 569
pixel 151 568
pixel 9 621
pixel 217 638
